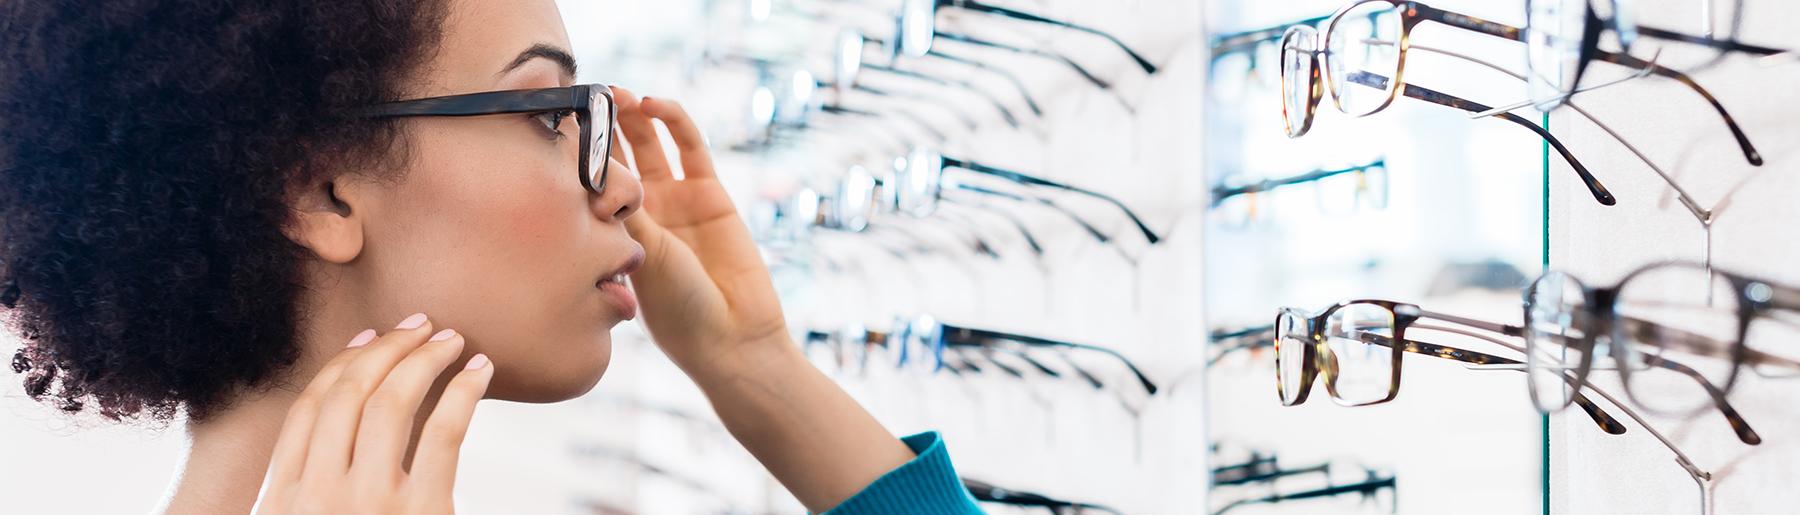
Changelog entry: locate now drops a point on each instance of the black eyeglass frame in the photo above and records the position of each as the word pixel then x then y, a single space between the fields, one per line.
pixel 582 99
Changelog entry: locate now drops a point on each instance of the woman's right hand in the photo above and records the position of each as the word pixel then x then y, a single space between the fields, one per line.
pixel 344 445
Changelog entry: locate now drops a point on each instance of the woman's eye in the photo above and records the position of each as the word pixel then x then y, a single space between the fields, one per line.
pixel 552 120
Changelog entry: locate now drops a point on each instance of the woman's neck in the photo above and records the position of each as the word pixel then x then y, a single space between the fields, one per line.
pixel 228 454
pixel 228 451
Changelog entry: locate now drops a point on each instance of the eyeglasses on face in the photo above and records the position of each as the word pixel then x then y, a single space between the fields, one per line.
pixel 592 105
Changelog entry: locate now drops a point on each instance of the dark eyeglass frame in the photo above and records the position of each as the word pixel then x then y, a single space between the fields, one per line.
pixel 1032 180
pixel 1292 42
pixel 939 336
pixel 1223 192
pixel 985 492
pixel 1600 308
pixel 981 7
pixel 583 99
pixel 1593 27
pixel 1404 315
pixel 1375 483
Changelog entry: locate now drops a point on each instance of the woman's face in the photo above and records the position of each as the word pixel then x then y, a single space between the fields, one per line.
pixel 489 230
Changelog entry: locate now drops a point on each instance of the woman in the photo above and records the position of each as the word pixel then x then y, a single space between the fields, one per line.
pixel 222 208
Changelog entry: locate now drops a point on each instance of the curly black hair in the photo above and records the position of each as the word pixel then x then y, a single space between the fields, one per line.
pixel 148 150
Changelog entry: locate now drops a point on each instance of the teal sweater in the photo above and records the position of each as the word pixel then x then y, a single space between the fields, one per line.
pixel 926 485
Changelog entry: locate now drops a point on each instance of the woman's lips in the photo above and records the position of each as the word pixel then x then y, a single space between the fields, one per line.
pixel 618 295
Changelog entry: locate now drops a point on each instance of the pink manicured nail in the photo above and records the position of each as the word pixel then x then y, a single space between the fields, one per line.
pixel 480 360
pixel 412 322
pixel 443 335
pixel 362 338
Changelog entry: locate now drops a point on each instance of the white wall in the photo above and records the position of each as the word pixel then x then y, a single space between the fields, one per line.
pixel 1754 234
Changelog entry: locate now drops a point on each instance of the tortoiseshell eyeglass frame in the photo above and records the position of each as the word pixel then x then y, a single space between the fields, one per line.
pixel 1301 42
pixel 1414 13
pixel 585 100
pixel 1404 315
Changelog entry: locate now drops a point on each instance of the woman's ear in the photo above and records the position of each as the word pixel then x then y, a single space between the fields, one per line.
pixel 327 221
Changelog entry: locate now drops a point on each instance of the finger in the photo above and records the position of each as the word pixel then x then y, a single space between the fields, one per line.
pixel 617 150
pixel 340 411
pixel 289 456
pixel 440 444
pixel 696 159
pixel 646 145
pixel 388 416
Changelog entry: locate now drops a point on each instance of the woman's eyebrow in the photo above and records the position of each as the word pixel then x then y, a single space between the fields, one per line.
pixel 541 50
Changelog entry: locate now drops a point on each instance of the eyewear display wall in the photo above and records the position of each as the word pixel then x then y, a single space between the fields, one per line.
pixel 1175 257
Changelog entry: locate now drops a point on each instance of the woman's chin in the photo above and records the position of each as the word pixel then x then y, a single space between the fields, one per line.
pixel 559 378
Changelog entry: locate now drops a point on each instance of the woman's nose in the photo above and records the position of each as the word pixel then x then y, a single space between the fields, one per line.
pixel 622 195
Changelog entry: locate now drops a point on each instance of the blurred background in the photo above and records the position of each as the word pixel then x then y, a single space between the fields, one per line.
pixel 1058 231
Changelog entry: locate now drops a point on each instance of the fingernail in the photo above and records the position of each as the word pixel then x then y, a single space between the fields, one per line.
pixel 412 322
pixel 443 335
pixel 362 338
pixel 480 360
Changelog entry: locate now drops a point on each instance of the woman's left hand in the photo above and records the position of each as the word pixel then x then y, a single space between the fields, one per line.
pixel 709 302
pixel 706 294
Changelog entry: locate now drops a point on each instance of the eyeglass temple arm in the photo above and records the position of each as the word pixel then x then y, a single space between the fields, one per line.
pixel 1587 179
pixel 1036 181
pixel 1464 21
pixel 1738 425
pixel 963 117
pixel 1646 330
pixel 1031 241
pixel 1330 491
pixel 1221 193
pixel 1257 460
pixel 1505 31
pixel 1722 44
pixel 1079 70
pixel 1261 331
pixel 1021 15
pixel 1278 473
pixel 1025 93
pixel 1785 297
pixel 1699 475
pixel 1700 345
pixel 1506 329
pixel 1026 357
pixel 1227 44
pixel 1083 223
pixel 479 104
pixel 1606 421
pixel 1743 140
pixel 985 492
pixel 1005 113
pixel 968 334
